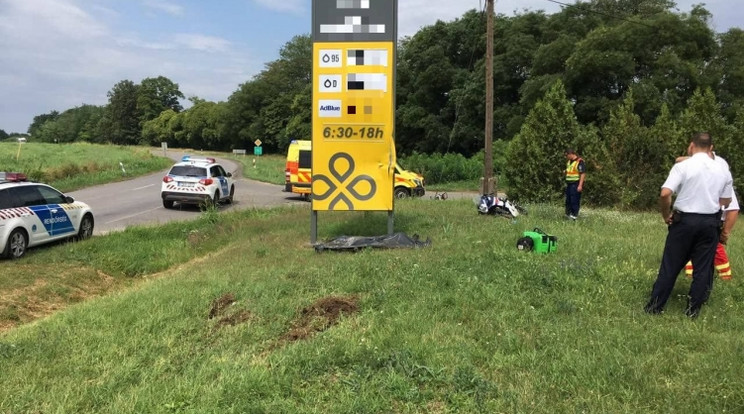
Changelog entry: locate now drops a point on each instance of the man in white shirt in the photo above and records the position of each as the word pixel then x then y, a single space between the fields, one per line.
pixel 702 187
pixel 728 219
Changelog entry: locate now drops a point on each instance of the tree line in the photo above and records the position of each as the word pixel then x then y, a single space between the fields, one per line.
pixel 627 161
pixel 623 81
pixel 130 106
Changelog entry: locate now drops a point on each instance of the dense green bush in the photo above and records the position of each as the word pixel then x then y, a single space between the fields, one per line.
pixel 441 168
pixel 602 186
pixel 438 168
pixel 627 162
pixel 536 158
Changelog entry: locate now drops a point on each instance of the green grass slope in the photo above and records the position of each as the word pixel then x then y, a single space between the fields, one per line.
pixel 258 322
pixel 72 166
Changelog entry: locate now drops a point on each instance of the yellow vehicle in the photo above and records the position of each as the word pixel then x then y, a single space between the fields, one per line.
pixel 407 183
pixel 298 169
pixel 298 173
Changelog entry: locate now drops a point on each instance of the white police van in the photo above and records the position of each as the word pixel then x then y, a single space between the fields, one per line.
pixel 199 181
pixel 34 213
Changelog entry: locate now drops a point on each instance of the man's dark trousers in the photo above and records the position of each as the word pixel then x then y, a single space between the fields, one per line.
pixel 573 198
pixel 691 237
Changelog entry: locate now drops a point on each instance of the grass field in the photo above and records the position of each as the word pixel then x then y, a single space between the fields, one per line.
pixel 235 313
pixel 268 168
pixel 69 167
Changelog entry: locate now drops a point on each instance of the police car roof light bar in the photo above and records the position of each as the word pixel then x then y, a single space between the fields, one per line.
pixel 12 176
pixel 189 158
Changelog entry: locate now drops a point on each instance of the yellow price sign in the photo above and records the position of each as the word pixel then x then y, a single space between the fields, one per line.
pixel 353 147
pixel 353 132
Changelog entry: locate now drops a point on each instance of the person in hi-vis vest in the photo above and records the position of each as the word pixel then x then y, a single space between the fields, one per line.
pixel 575 174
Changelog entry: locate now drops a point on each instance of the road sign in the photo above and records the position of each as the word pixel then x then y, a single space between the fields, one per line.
pixel 258 142
pixel 353 153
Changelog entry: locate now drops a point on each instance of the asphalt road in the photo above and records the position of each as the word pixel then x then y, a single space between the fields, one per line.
pixel 137 201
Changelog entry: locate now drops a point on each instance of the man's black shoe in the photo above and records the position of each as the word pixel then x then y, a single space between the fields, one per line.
pixel 692 312
pixel 653 307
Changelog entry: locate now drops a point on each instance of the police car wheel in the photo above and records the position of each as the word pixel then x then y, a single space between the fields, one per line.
pixel 211 202
pixel 168 203
pixel 15 248
pixel 229 199
pixel 86 227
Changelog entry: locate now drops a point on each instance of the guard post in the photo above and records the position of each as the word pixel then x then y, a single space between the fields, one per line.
pixel 353 156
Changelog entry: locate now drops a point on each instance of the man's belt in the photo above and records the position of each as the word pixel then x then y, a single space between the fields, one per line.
pixel 683 213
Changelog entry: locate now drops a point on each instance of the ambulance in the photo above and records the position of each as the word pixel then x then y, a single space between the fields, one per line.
pixel 298 169
pixel 408 183
pixel 298 174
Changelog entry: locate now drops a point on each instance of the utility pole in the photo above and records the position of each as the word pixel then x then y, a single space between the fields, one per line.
pixel 488 157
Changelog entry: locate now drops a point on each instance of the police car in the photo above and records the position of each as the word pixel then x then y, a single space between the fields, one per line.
pixel 34 213
pixel 199 181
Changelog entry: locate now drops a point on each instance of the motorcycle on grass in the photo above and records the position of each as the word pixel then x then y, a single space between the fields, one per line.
pixel 498 206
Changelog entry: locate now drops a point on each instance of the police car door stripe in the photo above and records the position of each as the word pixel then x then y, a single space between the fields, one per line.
pixel 10 213
pixel 223 185
pixel 54 223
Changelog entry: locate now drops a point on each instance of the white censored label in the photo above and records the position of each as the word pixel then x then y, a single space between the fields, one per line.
pixel 329 108
pixel 329 83
pixel 329 58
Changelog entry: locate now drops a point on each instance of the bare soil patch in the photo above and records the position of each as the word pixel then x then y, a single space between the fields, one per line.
pixel 220 304
pixel 320 316
pixel 221 308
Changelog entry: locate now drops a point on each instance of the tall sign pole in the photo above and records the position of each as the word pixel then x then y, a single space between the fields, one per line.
pixel 353 150
pixel 488 156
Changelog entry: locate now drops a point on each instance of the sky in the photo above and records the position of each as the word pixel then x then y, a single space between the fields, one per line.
pixel 60 54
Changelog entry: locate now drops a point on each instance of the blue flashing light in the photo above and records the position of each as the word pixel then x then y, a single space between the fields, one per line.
pixel 191 159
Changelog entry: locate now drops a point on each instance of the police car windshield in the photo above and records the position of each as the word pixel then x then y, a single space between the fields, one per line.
pixel 188 171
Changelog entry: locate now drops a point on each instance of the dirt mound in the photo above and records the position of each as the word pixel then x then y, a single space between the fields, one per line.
pixel 220 304
pixel 221 308
pixel 320 316
pixel 235 318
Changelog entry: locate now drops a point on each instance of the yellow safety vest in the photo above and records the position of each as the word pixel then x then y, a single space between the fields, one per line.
pixel 572 170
